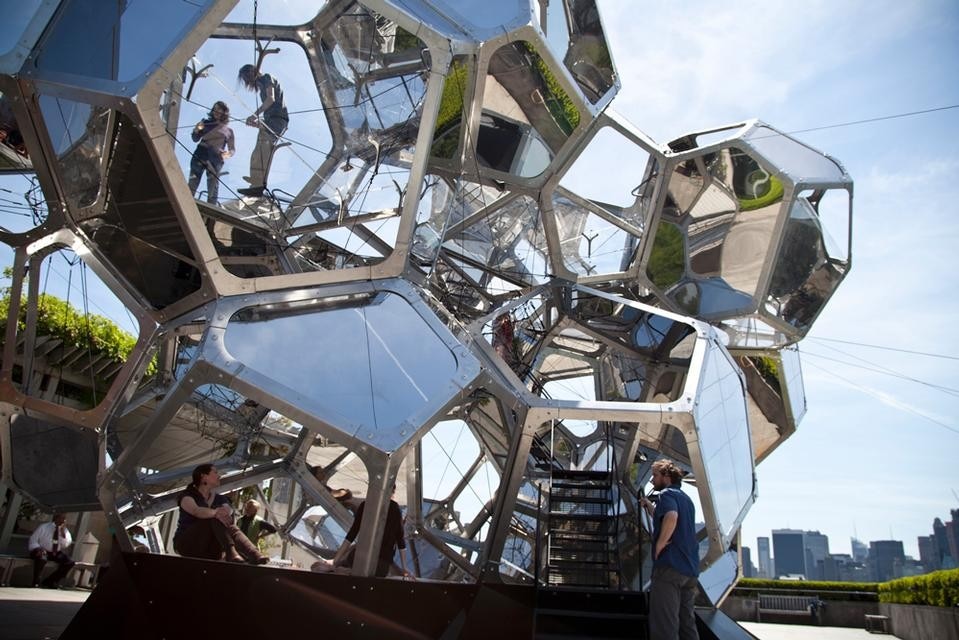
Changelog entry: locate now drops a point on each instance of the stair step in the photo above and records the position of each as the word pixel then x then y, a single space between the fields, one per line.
pixel 581 475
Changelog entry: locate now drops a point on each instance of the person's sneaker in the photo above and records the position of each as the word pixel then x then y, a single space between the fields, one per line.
pixel 254 192
pixel 248 179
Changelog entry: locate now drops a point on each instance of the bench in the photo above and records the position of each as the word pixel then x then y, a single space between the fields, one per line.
pixel 10 563
pixel 877 623
pixel 777 604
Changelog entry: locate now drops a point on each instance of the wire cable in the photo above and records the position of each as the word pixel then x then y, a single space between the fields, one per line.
pixel 876 395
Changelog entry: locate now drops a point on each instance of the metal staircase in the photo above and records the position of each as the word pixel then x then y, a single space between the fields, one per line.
pixel 582 527
pixel 580 592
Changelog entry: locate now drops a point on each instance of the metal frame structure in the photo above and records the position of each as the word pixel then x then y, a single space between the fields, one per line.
pixel 360 306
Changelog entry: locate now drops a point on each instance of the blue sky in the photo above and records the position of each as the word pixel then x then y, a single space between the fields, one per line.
pixel 875 453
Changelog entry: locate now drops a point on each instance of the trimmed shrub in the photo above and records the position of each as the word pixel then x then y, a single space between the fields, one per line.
pixel 824 590
pixel 937 589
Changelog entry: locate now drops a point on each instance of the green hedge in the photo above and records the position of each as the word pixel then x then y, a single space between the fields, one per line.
pixel 938 589
pixel 824 590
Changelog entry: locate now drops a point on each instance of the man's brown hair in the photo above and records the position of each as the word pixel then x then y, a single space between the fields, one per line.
pixel 669 468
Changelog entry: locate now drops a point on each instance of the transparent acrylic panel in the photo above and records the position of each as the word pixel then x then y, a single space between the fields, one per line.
pixel 116 41
pixel 752 332
pixel 448 451
pixel 509 240
pixel 801 163
pixel 16 17
pixel 527 115
pixel 591 244
pixel 137 229
pixel 795 388
pixel 377 364
pixel 588 58
pixel 435 207
pixel 309 130
pixel 23 206
pixel 317 530
pixel 805 276
pixel 78 134
pixel 723 428
pixel 629 186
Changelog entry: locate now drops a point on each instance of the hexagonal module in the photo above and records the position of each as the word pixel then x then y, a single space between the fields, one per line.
pixel 754 226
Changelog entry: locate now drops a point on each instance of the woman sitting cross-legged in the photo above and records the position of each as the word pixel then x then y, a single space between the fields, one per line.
pixel 205 528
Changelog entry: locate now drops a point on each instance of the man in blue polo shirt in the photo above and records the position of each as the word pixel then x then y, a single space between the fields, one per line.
pixel 675 557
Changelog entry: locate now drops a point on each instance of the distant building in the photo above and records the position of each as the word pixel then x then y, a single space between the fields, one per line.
pixel 816 547
pixel 833 565
pixel 765 559
pixel 790 552
pixel 929 553
pixel 749 571
pixel 860 552
pixel 952 535
pixel 946 559
pixel 884 556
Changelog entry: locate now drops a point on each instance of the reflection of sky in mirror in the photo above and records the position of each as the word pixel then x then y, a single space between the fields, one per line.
pixel 798 160
pixel 717 578
pixel 144 32
pixel 724 437
pixel 377 365
pixel 792 374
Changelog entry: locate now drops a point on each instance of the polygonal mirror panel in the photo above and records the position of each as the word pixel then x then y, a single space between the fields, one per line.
pixel 77 351
pixel 378 362
pixel 527 115
pixel 588 58
pixel 112 41
pixel 805 276
pixel 722 427
pixel 798 161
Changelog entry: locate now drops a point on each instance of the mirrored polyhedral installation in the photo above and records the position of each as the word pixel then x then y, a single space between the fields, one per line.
pixel 441 287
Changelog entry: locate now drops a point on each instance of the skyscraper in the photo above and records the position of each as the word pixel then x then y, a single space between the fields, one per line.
pixel 748 569
pixel 816 547
pixel 884 556
pixel 765 560
pixel 790 552
pixel 860 552
pixel 929 553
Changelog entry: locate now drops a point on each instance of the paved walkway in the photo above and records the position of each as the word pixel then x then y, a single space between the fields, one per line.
pixel 37 614
pixel 766 631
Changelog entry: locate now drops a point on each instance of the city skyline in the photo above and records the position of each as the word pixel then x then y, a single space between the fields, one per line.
pixel 875 452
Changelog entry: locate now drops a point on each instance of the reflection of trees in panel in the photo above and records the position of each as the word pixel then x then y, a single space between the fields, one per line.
pixel 667 261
